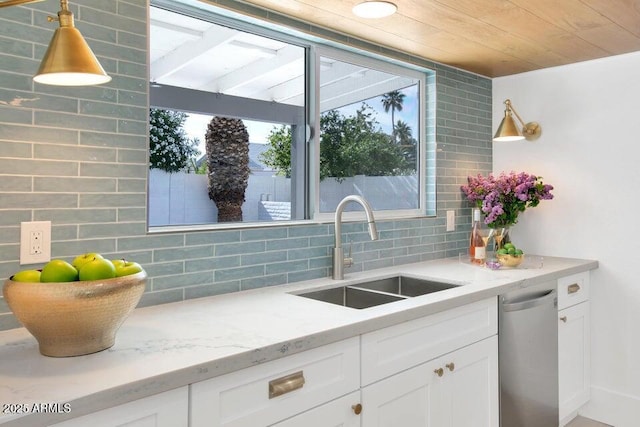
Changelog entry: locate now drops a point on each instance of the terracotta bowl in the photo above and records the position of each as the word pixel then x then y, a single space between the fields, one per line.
pixel 74 318
pixel 510 260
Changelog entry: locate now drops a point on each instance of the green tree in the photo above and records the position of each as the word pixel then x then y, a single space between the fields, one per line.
pixel 349 146
pixel 169 147
pixel 278 155
pixel 393 101
pixel 407 142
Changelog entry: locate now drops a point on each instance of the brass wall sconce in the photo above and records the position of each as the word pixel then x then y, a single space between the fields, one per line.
pixel 69 60
pixel 509 131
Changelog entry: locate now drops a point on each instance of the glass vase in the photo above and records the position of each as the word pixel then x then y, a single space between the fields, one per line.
pixel 500 237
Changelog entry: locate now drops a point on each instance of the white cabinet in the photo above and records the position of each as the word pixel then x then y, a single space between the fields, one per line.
pixel 421 373
pixel 168 409
pixel 266 394
pixel 459 389
pixel 392 375
pixel 574 344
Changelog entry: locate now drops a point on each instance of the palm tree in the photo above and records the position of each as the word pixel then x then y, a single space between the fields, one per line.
pixel 407 143
pixel 393 101
pixel 403 133
pixel 227 143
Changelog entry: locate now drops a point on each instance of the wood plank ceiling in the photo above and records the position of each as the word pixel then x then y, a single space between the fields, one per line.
pixel 490 37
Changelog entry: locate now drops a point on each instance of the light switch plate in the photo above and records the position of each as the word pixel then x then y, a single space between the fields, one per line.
pixel 35 242
pixel 451 220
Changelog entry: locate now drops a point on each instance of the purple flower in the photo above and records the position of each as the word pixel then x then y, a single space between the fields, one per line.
pixel 502 199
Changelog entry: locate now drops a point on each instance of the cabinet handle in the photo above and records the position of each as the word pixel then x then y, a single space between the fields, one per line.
pixel 286 384
pixel 357 409
pixel 564 319
pixel 451 366
pixel 572 289
pixel 439 371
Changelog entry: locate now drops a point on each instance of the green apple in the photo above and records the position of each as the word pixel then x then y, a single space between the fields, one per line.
pixel 26 276
pixel 97 269
pixel 118 262
pixel 58 270
pixel 80 260
pixel 127 267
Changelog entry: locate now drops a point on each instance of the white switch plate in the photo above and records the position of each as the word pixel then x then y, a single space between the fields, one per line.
pixel 35 242
pixel 451 220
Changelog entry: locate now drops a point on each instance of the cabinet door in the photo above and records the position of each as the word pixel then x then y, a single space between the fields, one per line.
pixel 459 389
pixel 409 399
pixel 471 386
pixel 574 344
pixel 168 409
pixel 337 413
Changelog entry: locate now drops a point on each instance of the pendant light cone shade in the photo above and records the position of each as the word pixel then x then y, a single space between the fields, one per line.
pixel 374 9
pixel 508 130
pixel 69 60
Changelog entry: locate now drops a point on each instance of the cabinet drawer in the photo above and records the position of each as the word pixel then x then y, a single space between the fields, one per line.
pixel 399 347
pixel 307 379
pixel 573 290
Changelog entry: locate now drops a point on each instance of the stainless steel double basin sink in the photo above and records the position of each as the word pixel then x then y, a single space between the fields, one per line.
pixel 378 291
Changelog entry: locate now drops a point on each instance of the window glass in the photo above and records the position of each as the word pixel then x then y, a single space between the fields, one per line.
pixel 233 108
pixel 218 96
pixel 369 136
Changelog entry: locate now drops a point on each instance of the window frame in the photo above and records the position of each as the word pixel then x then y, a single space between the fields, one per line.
pixel 315 47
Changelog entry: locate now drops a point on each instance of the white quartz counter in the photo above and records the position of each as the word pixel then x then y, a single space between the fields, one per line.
pixel 163 347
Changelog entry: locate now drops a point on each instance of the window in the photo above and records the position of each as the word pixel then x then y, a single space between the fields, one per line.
pixel 254 126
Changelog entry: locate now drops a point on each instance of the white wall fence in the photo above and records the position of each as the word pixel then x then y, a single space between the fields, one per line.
pixel 181 198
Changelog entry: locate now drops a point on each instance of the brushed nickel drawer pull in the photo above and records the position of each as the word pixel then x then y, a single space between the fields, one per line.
pixel 451 366
pixel 564 319
pixel 357 409
pixel 286 384
pixel 572 289
pixel 439 372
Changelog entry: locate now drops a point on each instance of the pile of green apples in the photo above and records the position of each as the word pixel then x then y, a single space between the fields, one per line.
pixel 89 266
pixel 510 249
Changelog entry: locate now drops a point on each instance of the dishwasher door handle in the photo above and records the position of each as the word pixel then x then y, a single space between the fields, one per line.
pixel 536 301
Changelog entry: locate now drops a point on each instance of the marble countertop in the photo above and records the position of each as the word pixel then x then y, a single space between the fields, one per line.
pixel 168 346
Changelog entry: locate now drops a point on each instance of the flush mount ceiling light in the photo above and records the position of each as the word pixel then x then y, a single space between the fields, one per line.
pixel 510 131
pixel 69 60
pixel 374 9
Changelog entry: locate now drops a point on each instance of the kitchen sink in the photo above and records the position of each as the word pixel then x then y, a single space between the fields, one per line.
pixel 378 291
pixel 352 297
pixel 406 286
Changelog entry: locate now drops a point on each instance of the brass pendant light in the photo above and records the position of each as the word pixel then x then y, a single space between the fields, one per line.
pixel 509 130
pixel 69 60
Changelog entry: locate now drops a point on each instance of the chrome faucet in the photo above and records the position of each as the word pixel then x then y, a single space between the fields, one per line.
pixel 339 260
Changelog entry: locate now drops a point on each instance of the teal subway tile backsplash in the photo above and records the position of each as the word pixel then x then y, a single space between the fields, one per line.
pixel 77 157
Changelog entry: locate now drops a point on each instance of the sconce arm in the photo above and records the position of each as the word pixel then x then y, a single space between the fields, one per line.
pixel 531 130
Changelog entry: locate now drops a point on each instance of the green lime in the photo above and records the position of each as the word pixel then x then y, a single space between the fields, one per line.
pixel 519 252
pixel 503 251
pixel 509 245
pixel 511 251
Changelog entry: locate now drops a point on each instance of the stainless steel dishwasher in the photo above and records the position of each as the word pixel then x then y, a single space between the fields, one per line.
pixel 528 357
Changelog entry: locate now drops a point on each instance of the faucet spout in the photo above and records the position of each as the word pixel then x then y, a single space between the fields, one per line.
pixel 339 261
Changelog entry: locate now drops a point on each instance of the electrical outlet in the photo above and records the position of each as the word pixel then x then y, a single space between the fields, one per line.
pixel 35 242
pixel 451 220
